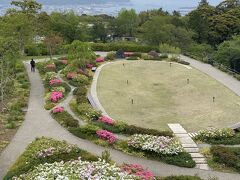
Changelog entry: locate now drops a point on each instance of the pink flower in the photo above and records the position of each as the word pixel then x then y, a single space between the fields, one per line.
pixel 138 170
pixel 100 59
pixel 54 82
pixel 89 65
pixel 56 96
pixel 71 75
pixel 106 135
pixel 58 110
pixel 106 120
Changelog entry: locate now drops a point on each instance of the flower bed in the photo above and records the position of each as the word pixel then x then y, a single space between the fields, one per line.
pixel 55 82
pixel 106 120
pixel 90 66
pixel 77 169
pixel 50 67
pixel 56 96
pixel 215 135
pixel 58 110
pixel 71 75
pixel 159 144
pixel 138 170
pixel 106 135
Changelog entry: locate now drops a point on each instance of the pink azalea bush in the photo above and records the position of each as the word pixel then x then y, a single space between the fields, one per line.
pixel 71 75
pixel 106 135
pixel 107 120
pixel 89 65
pixel 100 59
pixel 54 82
pixel 138 170
pixel 58 110
pixel 56 96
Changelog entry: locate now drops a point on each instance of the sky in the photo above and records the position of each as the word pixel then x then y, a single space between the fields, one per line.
pixel 105 6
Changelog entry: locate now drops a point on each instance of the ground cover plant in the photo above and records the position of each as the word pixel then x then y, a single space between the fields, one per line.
pixel 162 90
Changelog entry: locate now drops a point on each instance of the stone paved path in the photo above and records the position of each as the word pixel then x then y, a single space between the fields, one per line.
pixel 38 122
pixel 189 145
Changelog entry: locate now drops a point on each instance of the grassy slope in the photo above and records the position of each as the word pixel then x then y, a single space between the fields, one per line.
pixel 161 95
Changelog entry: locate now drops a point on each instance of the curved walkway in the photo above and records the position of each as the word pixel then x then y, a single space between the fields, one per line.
pixel 39 123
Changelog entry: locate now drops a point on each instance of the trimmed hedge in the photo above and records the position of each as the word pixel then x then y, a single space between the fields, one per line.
pixel 29 160
pixel 124 46
pixel 182 178
pixel 65 119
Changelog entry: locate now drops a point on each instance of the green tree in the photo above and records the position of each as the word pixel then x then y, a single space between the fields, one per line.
pixel 80 53
pixel 52 42
pixel 27 6
pixel 127 22
pixel 228 53
pixel 99 31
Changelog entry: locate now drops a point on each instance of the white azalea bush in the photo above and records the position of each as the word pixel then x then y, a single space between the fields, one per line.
pixel 78 169
pixel 215 134
pixel 159 144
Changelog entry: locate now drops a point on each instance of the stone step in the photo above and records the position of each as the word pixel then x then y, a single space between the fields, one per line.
pixel 192 150
pixel 182 135
pixel 177 128
pixel 202 166
pixel 200 160
pixel 196 155
pixel 186 140
pixel 189 145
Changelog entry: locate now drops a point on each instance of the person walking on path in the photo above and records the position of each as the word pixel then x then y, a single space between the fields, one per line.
pixel 32 65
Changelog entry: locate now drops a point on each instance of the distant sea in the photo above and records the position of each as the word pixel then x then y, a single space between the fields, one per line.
pixel 112 7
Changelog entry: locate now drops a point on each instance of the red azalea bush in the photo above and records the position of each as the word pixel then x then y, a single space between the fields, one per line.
pixel 56 96
pixel 54 82
pixel 58 110
pixel 100 59
pixel 106 135
pixel 71 75
pixel 83 72
pixel 138 170
pixel 107 120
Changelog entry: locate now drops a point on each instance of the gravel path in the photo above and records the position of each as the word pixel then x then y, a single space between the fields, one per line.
pixel 38 122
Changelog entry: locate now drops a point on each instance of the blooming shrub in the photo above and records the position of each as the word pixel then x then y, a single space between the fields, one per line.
pixel 54 82
pixel 83 71
pixel 77 169
pixel 81 79
pixel 159 144
pixel 138 170
pixel 106 135
pixel 58 110
pixel 100 59
pixel 71 75
pixel 216 134
pixel 89 65
pixel 106 120
pixel 56 96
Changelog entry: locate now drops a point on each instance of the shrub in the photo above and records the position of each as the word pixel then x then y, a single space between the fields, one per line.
pixel 65 119
pixel 86 132
pixel 132 58
pixel 81 99
pixel 80 91
pixel 100 59
pixel 166 48
pixel 124 46
pixel 60 64
pixel 58 89
pixel 55 96
pixel 49 106
pixel 71 75
pixel 69 69
pixel 58 110
pixel 80 80
pixel 50 67
pixel 55 82
pixel 29 158
pixel 131 130
pixel 227 156
pixel 182 178
pixel 50 75
pixel 106 120
pixel 163 56
pixel 114 129
pixel 110 56
pixel 86 110
pixel 153 54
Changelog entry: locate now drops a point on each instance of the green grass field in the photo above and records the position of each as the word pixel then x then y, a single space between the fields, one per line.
pixel 161 95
